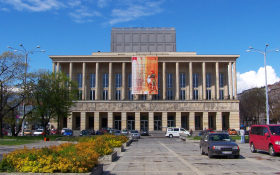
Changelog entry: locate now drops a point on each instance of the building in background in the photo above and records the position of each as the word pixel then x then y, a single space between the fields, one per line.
pixel 193 91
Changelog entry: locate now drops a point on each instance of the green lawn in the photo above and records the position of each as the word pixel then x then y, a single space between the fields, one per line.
pixel 51 137
pixel 15 142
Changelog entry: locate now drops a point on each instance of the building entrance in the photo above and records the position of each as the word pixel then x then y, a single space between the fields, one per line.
pixel 170 121
pixel 131 124
pixel 157 123
pixel 118 124
pixel 144 125
pixel 211 122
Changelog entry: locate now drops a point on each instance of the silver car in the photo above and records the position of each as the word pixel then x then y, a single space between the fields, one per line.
pixel 135 134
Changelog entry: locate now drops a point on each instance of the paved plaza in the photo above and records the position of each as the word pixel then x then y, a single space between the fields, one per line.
pixel 172 156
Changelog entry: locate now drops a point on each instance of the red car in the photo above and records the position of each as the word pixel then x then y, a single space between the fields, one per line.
pixel 53 131
pixel 4 132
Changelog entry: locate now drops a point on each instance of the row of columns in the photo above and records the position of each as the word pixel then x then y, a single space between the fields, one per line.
pixel 233 118
pixel 232 85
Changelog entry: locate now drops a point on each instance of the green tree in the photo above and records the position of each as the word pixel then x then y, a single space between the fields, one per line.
pixel 54 94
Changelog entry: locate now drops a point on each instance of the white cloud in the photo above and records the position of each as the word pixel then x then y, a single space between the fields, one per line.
pixel 79 15
pixel 253 79
pixel 35 5
pixel 73 3
pixel 134 11
pixel 5 9
pixel 102 3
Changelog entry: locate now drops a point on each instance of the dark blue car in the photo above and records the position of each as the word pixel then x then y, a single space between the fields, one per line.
pixel 68 132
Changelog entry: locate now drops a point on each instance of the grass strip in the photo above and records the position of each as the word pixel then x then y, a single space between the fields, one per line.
pixel 15 142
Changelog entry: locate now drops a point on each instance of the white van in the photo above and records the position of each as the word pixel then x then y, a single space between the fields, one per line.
pixel 175 132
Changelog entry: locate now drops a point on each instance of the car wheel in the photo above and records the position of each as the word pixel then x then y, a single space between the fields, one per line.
pixel 252 147
pixel 209 153
pixel 170 136
pixel 271 150
pixel 236 156
pixel 201 151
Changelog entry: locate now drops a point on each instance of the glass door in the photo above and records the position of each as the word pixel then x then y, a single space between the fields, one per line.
pixel 144 125
pixel 131 124
pixel 118 124
pixel 157 125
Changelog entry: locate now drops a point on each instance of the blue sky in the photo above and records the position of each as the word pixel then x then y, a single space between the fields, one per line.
pixel 80 27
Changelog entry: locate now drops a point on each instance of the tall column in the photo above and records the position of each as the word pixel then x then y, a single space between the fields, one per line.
pixel 230 80
pixel 70 121
pixel 151 121
pixel 234 120
pixel 191 81
pixel 124 120
pixel 177 81
pixel 137 121
pixel 203 81
pixel 96 121
pixel 83 120
pixel 191 121
pixel 110 119
pixel 219 120
pixel 217 82
pixel 123 81
pixel 164 121
pixel 163 81
pixel 110 80
pixel 178 119
pixel 71 71
pixel 84 82
pixel 97 96
pixel 234 80
pixel 205 120
pixel 53 67
pixel 57 67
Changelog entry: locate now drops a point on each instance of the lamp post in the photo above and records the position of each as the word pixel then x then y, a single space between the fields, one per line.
pixel 266 93
pixel 25 52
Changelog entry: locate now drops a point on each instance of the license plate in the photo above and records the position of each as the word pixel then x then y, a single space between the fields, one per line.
pixel 226 152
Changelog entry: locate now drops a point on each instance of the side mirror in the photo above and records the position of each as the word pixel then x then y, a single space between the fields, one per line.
pixel 266 134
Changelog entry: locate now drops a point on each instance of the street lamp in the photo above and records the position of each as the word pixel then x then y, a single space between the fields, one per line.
pixel 264 55
pixel 25 52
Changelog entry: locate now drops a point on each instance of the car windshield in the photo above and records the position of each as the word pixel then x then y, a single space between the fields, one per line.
pixel 275 130
pixel 67 130
pixel 219 137
pixel 117 131
pixel 124 130
pixel 134 131
pixel 26 130
pixel 39 130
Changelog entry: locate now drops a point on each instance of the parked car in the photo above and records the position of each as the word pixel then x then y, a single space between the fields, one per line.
pixel 63 130
pixel 117 132
pixel 104 131
pixel 53 131
pixel 68 132
pixel 84 133
pixel 27 132
pixel 98 132
pixel 232 132
pixel 144 132
pixel 175 132
pixel 92 132
pixel 266 138
pixel 38 132
pixel 134 134
pixel 4 132
pixel 111 131
pixel 124 132
pixel 207 131
pixel 218 144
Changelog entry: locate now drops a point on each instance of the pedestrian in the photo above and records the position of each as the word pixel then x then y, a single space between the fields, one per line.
pixel 242 134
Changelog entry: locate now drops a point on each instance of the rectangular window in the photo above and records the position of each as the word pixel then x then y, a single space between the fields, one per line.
pixel 169 94
pixel 118 80
pixel 157 96
pixel 92 80
pixel 105 80
pixel 129 80
pixel 195 94
pixel 80 80
pixel 118 94
pixel 92 95
pixel 208 80
pixel 105 94
pixel 208 94
pixel 182 80
pixel 221 94
pixel 182 95
pixel 169 80
pixel 221 80
pixel 195 80
pixel 130 96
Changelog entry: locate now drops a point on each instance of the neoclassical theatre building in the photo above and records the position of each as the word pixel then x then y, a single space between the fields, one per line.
pixel 189 90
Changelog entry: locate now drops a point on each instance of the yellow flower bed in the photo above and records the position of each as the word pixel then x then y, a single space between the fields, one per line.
pixel 66 158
